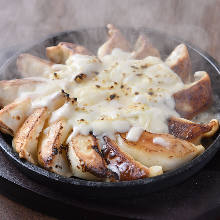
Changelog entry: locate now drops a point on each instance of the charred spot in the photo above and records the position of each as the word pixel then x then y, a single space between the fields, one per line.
pixel 122 86
pixel 144 66
pixel 80 77
pixel 98 86
pixel 136 93
pixel 134 67
pixel 139 74
pixel 56 75
pixel 115 83
pixel 111 87
pixel 112 96
pixel 91 132
pixel 75 99
pixel 18 117
pixel 54 151
pixel 66 95
pixel 58 166
pixel 150 93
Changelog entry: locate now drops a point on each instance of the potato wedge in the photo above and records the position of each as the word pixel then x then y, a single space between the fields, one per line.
pixel 12 89
pixel 61 52
pixel 123 166
pixel 115 40
pixel 13 115
pixel 144 48
pixel 160 149
pixel 29 66
pixel 26 139
pixel 85 158
pixel 195 98
pixel 179 61
pixel 190 131
pixel 51 151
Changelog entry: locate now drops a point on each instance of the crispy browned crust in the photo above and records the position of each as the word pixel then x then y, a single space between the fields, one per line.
pixel 26 138
pixel 61 52
pixel 122 165
pixel 178 148
pixel 52 153
pixel 190 131
pixel 29 65
pixel 180 64
pixel 13 115
pixel 115 40
pixel 87 150
pixel 144 48
pixel 194 99
pixel 163 150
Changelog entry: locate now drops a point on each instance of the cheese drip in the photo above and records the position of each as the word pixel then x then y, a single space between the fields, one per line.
pixel 113 95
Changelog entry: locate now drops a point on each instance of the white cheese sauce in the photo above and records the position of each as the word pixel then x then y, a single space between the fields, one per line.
pixel 117 94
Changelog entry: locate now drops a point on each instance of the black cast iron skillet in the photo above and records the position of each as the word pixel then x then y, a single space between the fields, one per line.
pixel 92 39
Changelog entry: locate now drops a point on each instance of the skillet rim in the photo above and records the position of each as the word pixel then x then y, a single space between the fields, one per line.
pixel 205 157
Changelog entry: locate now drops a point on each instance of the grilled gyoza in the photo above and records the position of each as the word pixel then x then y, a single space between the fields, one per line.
pixel 118 116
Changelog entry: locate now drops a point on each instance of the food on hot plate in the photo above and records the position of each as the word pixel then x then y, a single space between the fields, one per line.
pixel 121 115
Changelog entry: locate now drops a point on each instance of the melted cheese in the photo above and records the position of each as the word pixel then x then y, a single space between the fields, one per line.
pixel 116 94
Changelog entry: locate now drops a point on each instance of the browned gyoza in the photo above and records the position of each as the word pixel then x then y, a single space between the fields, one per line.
pixel 53 144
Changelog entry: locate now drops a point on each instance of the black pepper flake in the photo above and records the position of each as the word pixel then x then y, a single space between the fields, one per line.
pixel 75 99
pixel 150 93
pixel 111 87
pixel 115 83
pixel 122 86
pixel 90 132
pixel 98 86
pixel 112 96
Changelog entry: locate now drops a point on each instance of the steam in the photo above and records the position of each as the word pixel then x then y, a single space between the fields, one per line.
pixel 25 21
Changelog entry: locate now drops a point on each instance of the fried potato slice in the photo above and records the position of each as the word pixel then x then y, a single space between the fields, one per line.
pixel 123 166
pixel 195 98
pixel 61 52
pixel 85 158
pixel 115 40
pixel 13 115
pixel 160 149
pixel 144 48
pixel 179 61
pixel 11 89
pixel 29 66
pixel 51 148
pixel 190 131
pixel 26 139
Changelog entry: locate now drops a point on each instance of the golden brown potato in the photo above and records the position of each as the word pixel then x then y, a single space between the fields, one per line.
pixel 61 52
pixel 12 89
pixel 13 115
pixel 179 61
pixel 160 150
pixel 51 148
pixel 115 40
pixel 190 131
pixel 195 98
pixel 26 139
pixel 123 166
pixel 144 48
pixel 29 66
pixel 85 158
